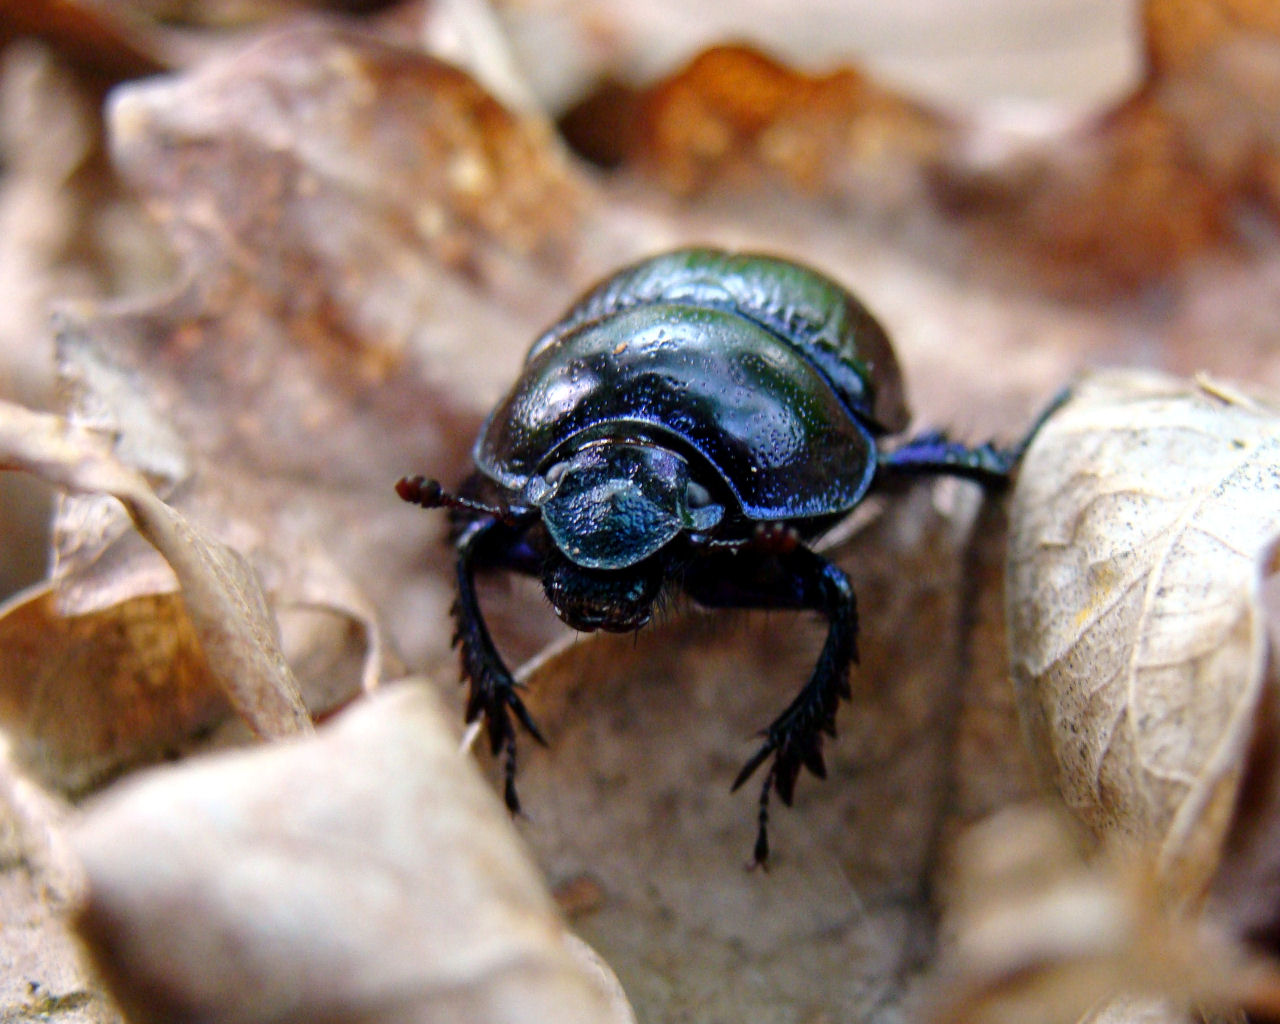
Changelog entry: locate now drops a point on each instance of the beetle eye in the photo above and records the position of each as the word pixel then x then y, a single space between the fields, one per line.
pixel 553 475
pixel 697 496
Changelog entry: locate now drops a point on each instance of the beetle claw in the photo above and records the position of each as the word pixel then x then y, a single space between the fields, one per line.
pixel 525 719
pixel 493 699
pixel 749 769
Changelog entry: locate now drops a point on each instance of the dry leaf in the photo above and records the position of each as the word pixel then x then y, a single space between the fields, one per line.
pixel 320 343
pixel 248 396
pixel 736 118
pixel 363 875
pixel 101 37
pixel 1178 168
pixel 43 975
pixel 1035 933
pixel 220 596
pixel 1138 643
pixel 647 732
pixel 83 697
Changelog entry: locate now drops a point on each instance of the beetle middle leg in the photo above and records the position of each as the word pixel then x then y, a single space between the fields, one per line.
pixel 490 542
pixel 935 452
pixel 794 579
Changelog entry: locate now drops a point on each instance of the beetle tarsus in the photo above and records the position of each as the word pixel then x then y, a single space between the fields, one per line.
pixel 760 852
pixel 494 700
pixel 509 795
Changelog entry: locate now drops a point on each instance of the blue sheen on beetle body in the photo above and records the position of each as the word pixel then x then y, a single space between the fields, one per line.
pixel 715 384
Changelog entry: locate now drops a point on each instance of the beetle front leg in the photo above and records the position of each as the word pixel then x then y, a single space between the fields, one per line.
pixel 492 695
pixel 797 579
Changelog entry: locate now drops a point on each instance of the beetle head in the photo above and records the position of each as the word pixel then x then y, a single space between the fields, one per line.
pixel 610 509
pixel 613 504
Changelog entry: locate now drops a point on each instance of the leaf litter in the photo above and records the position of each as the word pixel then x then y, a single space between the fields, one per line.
pixel 367 243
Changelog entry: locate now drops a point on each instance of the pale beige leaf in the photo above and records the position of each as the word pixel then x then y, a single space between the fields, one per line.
pixel 220 592
pixel 43 974
pixel 1035 932
pixel 1137 644
pixel 365 874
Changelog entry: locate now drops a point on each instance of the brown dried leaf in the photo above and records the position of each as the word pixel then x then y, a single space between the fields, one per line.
pixel 1137 640
pixel 646 734
pixel 220 595
pixel 354 220
pixel 1036 933
pixel 247 396
pixel 1180 35
pixel 99 36
pixel 84 696
pixel 362 875
pixel 1176 169
pixel 736 118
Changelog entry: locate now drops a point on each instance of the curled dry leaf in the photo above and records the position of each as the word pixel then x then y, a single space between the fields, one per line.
pixel 1037 933
pixel 85 696
pixel 1246 890
pixel 221 598
pixel 365 874
pixel 1137 640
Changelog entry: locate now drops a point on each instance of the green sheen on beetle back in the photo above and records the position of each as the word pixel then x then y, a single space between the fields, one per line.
pixel 718 385
pixel 800 306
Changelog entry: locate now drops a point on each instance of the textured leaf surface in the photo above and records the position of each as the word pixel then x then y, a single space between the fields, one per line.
pixel 1143 513
pixel 365 874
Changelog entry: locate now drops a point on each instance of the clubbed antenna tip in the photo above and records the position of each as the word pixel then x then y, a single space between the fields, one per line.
pixel 421 490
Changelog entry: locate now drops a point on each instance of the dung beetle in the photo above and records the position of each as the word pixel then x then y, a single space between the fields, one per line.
pixel 691 424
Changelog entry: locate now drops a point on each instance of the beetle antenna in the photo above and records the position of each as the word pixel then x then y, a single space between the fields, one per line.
pixel 421 490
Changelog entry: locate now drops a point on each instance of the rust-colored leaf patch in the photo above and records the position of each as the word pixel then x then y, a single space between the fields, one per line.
pixel 100 37
pixel 737 118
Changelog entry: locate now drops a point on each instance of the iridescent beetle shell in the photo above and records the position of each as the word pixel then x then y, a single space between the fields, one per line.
pixel 768 372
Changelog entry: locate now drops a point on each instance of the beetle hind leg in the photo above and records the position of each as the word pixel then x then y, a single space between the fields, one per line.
pixel 935 452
